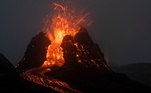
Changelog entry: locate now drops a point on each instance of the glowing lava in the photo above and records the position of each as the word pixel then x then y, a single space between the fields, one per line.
pixel 65 21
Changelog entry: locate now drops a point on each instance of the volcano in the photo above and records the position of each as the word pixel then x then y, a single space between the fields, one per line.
pixel 64 58
pixel 85 68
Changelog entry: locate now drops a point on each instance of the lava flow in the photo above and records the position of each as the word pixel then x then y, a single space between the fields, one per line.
pixel 64 21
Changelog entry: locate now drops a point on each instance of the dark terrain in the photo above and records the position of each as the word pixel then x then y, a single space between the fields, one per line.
pixel 139 71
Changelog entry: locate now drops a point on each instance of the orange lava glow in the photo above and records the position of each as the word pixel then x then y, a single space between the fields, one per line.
pixel 65 21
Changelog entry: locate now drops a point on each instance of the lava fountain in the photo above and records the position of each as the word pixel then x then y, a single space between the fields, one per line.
pixel 65 21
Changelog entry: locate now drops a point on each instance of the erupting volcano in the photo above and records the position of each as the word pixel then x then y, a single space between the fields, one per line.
pixel 64 58
pixel 63 47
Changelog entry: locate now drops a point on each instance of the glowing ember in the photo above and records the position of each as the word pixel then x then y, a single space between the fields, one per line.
pixel 63 22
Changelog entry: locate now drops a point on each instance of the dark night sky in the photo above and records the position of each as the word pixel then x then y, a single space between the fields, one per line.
pixel 122 28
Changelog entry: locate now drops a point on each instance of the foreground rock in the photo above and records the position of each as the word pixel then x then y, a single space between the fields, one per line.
pixel 5 66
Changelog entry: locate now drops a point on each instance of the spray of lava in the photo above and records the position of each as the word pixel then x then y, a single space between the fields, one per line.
pixel 65 21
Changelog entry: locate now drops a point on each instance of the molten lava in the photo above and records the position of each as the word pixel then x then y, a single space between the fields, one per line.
pixel 64 21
